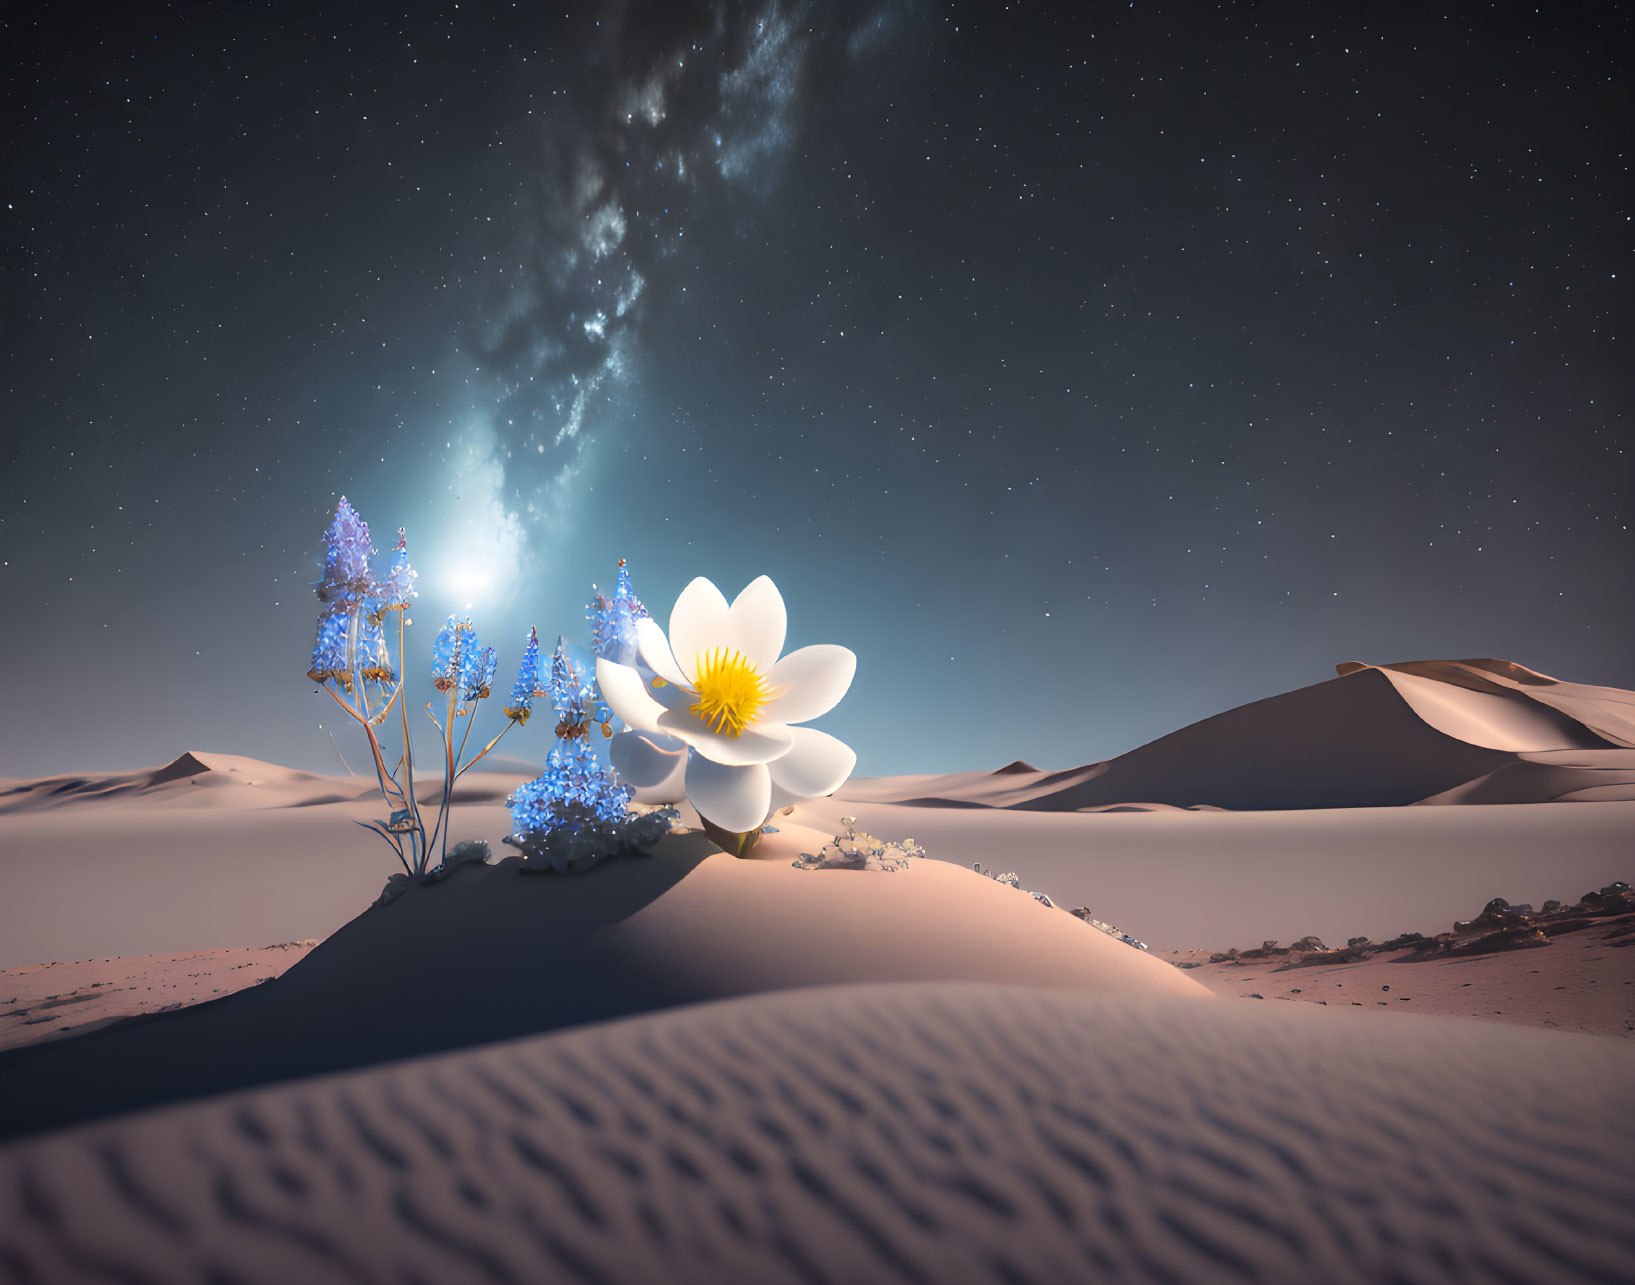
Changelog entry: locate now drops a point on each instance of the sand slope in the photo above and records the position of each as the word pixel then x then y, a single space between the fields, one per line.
pixel 204 779
pixel 912 1133
pixel 211 851
pixel 1219 879
pixel 193 779
pixel 493 954
pixel 1608 712
pixel 1551 776
pixel 43 1001
pixel 130 876
pixel 1376 736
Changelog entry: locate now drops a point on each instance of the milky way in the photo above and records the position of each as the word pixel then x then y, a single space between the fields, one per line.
pixel 1086 369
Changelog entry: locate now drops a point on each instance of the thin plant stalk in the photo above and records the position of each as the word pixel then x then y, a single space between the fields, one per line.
pixel 447 729
pixel 337 749
pixel 454 769
pixel 353 630
pixel 366 719
pixel 407 786
pixel 387 785
pixel 485 749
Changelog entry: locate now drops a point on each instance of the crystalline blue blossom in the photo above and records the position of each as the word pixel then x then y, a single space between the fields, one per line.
pixel 460 659
pixel 574 794
pixel 398 587
pixel 613 621
pixel 577 813
pixel 448 652
pixel 374 660
pixel 329 652
pixel 477 674
pixel 348 580
pixel 527 686
pixel 572 693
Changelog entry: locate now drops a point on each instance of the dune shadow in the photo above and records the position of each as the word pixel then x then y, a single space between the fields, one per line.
pixel 490 954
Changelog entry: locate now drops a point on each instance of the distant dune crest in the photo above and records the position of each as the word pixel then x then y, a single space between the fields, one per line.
pixel 203 778
pixel 1435 732
pixel 1426 731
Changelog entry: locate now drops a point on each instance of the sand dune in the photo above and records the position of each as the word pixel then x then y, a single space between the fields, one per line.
pixel 192 779
pixel 165 860
pixel 43 1001
pixel 1582 982
pixel 1608 712
pixel 199 779
pixel 1182 878
pixel 1376 736
pixel 1552 776
pixel 493 953
pixel 776 1074
pixel 139 877
pixel 913 1133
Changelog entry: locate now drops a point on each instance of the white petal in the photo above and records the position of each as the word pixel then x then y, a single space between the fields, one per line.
pixel 652 762
pixel 735 798
pixel 760 621
pixel 627 696
pixel 671 696
pixel 673 789
pixel 700 623
pixel 758 744
pixel 815 677
pixel 655 652
pixel 817 763
pixel 781 798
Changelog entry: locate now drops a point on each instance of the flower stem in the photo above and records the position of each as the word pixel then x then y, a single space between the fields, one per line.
pixel 485 749
pixel 381 774
pixel 739 845
pixel 447 728
pixel 422 857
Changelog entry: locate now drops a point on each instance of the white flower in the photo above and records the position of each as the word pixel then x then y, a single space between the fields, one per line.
pixel 710 706
pixel 655 764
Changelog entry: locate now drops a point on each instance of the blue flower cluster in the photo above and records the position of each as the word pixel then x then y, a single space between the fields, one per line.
pixel 474 683
pixel 573 693
pixel 348 580
pixel 398 587
pixel 613 620
pixel 526 687
pixel 459 661
pixel 575 791
pixel 374 660
pixel 351 639
pixel 329 652
pixel 576 814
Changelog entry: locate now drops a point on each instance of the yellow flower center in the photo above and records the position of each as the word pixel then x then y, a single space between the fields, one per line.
pixel 730 692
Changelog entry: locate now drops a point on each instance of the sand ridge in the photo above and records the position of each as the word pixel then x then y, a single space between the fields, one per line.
pixel 1375 736
pixel 935 1133
pixel 493 953
pixel 207 780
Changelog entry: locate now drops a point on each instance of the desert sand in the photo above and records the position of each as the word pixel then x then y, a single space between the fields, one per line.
pixel 492 953
pixel 42 1001
pixel 689 1067
pixel 940 1133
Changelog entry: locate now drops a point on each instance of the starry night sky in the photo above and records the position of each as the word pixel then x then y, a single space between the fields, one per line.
pixel 1087 369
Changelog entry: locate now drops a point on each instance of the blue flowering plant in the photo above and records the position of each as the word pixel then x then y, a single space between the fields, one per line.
pixel 354 661
pixel 577 813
